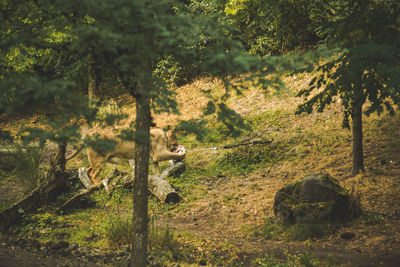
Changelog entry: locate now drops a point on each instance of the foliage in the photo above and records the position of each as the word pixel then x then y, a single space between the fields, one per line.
pixel 264 27
pixel 366 70
pixel 61 40
pixel 367 67
pixel 271 27
pixel 172 72
pixel 35 78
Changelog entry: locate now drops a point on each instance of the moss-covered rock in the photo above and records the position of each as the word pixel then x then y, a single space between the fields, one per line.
pixel 316 198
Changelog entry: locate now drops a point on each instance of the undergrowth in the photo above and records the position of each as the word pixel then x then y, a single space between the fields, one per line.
pixel 273 230
pixel 23 163
pixel 303 259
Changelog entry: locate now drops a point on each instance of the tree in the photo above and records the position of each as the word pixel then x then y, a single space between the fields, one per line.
pixel 34 77
pixel 140 192
pixel 365 70
pixel 272 26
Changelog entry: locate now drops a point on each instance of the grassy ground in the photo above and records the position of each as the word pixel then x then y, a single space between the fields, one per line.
pixel 225 214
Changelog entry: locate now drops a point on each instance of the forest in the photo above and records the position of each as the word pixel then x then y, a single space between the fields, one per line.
pixel 199 133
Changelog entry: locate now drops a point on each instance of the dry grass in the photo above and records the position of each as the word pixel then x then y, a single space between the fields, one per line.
pixel 317 144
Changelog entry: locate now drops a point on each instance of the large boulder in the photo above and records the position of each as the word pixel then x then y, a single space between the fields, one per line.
pixel 316 198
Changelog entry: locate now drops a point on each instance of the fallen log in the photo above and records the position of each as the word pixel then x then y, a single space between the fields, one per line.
pixel 33 201
pixel 157 185
pixel 160 187
pixel 46 191
pixel 84 177
pixel 76 199
pixel 13 214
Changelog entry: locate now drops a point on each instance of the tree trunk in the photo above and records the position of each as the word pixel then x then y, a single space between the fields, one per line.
pixel 59 161
pixel 358 162
pixel 140 192
pixel 57 169
pixel 93 81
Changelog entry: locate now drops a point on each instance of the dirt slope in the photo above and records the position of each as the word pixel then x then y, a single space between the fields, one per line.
pixel 234 205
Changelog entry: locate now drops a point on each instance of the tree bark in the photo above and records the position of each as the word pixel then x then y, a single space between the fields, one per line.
pixel 59 161
pixel 159 186
pixel 358 161
pixel 57 185
pixel 93 81
pixel 140 192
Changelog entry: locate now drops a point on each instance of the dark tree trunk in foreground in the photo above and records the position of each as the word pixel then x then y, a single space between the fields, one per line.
pixel 59 161
pixel 358 162
pixel 57 170
pixel 140 192
pixel 93 81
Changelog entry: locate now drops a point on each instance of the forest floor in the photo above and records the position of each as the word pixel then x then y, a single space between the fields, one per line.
pixel 224 217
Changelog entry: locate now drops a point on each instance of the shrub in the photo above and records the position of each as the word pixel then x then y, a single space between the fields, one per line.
pixel 162 242
pixel 119 231
pixel 172 72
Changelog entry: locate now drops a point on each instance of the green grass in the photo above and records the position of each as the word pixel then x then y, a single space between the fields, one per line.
pixel 273 230
pixel 82 228
pixel 245 160
pixel 241 160
pixel 268 119
pixel 303 259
